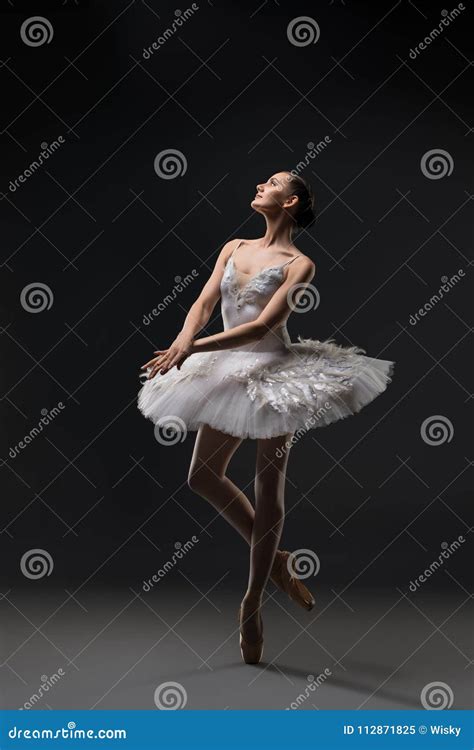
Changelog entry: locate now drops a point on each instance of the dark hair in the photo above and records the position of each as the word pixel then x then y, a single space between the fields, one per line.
pixel 304 216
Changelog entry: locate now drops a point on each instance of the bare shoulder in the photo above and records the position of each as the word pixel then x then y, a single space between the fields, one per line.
pixel 303 263
pixel 228 248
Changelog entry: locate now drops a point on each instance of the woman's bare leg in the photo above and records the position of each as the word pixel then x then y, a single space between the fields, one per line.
pixel 212 453
pixel 272 459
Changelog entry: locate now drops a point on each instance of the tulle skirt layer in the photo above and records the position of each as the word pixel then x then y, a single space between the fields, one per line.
pixel 254 394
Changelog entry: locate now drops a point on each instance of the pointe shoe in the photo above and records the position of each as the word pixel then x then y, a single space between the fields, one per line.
pixel 251 651
pixel 288 583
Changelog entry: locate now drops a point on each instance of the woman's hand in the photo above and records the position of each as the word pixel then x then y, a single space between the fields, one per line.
pixel 178 352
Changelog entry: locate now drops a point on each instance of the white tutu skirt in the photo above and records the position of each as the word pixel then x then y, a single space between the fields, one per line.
pixel 255 394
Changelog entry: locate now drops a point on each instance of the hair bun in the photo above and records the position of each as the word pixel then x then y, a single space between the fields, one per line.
pixel 305 215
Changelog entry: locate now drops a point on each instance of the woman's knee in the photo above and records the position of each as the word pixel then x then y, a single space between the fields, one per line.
pixel 271 491
pixel 201 477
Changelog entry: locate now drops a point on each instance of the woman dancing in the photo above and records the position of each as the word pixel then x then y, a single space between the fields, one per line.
pixel 251 381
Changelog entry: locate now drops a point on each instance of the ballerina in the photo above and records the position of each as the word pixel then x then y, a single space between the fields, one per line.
pixel 251 381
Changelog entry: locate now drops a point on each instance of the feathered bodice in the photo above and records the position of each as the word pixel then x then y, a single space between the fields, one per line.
pixel 267 388
pixel 242 304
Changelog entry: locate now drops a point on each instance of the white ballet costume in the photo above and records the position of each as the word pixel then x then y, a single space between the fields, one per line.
pixel 270 387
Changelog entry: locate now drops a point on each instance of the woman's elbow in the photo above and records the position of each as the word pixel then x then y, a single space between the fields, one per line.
pixel 204 306
pixel 261 329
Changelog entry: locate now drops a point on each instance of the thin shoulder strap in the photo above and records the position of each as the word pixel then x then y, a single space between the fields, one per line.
pixel 290 261
pixel 235 248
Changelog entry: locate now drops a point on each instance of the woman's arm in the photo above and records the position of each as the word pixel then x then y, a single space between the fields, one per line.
pixel 197 317
pixel 274 313
pixel 201 310
pixel 233 337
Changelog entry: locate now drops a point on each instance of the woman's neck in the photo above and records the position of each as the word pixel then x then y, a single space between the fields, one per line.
pixel 278 232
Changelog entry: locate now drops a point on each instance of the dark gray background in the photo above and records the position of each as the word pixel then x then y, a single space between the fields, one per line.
pixel 108 236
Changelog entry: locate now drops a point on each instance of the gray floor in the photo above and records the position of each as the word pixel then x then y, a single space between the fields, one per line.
pixel 115 647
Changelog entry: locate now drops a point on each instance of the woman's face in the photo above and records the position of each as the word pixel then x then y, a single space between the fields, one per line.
pixel 273 195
